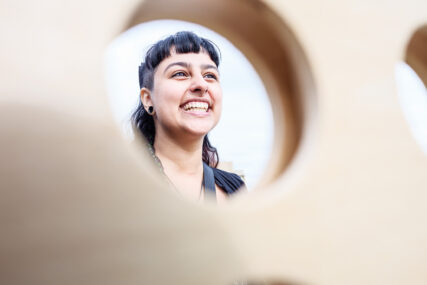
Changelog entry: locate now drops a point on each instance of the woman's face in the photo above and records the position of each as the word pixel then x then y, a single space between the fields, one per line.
pixel 186 94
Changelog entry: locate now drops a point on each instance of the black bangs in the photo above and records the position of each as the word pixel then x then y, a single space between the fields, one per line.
pixel 182 42
pixel 187 42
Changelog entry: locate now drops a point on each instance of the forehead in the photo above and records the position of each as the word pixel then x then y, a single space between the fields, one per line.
pixel 191 58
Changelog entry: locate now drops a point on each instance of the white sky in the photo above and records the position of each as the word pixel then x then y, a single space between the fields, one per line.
pixel 245 132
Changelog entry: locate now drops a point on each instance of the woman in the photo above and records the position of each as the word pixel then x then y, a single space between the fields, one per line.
pixel 181 101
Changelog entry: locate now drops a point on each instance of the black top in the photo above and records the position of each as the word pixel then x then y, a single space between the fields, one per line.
pixel 227 181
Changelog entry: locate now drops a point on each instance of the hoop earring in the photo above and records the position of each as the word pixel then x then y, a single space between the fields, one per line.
pixel 150 110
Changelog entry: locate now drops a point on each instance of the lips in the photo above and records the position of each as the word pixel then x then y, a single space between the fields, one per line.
pixel 198 106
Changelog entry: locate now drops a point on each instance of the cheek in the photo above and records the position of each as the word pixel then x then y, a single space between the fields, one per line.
pixel 166 96
pixel 218 99
pixel 216 93
pixel 219 94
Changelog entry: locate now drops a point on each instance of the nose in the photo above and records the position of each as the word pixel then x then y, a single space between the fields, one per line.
pixel 199 85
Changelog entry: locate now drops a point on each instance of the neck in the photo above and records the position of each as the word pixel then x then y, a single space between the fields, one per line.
pixel 179 154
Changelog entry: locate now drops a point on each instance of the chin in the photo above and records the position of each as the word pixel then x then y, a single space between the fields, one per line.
pixel 199 130
pixel 197 133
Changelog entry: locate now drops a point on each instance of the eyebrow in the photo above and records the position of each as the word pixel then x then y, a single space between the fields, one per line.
pixel 186 65
pixel 180 63
pixel 208 66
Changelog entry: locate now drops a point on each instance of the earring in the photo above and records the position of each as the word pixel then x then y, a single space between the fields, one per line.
pixel 150 110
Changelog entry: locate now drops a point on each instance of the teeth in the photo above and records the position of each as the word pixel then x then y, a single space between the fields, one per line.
pixel 199 106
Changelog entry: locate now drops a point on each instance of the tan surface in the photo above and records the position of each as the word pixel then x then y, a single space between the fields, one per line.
pixel 79 206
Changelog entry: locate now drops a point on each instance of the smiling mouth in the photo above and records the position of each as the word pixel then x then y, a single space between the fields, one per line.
pixel 196 106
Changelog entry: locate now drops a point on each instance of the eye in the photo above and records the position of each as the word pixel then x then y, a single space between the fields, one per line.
pixel 211 76
pixel 179 74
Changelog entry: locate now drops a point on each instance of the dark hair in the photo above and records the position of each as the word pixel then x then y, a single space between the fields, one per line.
pixel 181 42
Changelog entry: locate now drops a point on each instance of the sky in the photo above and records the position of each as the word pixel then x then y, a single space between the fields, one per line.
pixel 244 135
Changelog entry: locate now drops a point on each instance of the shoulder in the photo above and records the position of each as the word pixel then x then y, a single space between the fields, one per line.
pixel 228 181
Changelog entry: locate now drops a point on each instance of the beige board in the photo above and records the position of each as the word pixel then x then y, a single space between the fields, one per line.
pixel 343 202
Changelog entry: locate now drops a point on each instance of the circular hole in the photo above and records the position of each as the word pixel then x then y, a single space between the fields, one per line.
pixel 271 47
pixel 411 81
pixel 245 101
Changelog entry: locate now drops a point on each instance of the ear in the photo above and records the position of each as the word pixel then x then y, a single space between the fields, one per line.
pixel 145 95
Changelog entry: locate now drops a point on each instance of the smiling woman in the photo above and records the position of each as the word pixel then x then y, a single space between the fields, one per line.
pixel 181 101
pixel 243 136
